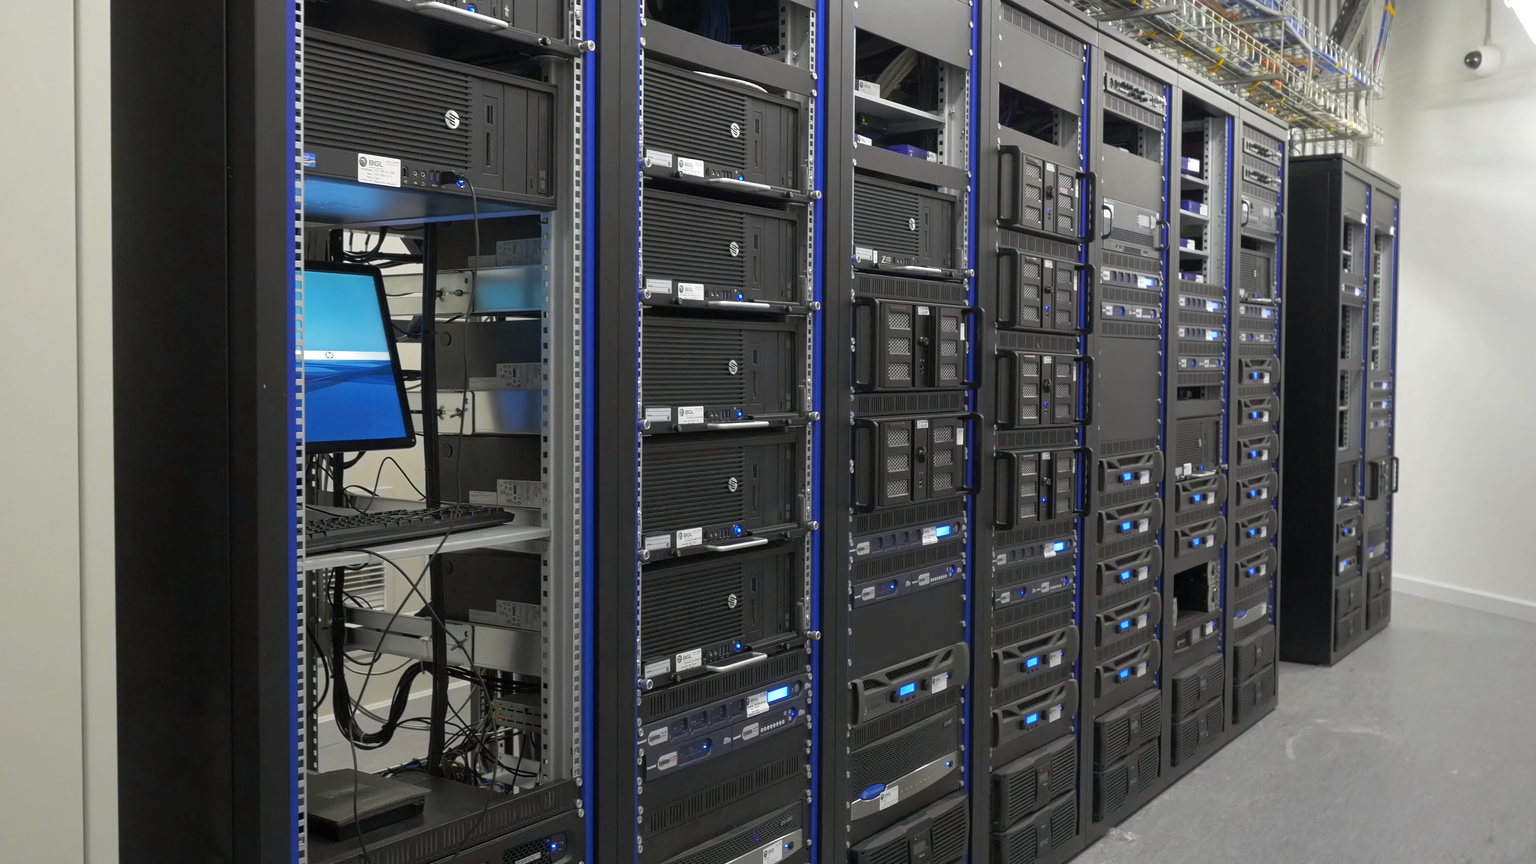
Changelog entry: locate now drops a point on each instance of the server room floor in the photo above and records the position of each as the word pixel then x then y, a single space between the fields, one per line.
pixel 1416 749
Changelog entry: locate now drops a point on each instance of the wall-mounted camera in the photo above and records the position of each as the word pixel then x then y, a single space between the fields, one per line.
pixel 1484 61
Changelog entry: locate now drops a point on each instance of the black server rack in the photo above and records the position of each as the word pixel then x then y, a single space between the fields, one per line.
pixel 724 439
pixel 1134 431
pixel 1198 473
pixel 1340 469
pixel 902 455
pixel 1036 217
pixel 1257 381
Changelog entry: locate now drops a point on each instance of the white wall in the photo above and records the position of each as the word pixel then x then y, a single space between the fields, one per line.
pixel 58 786
pixel 1464 150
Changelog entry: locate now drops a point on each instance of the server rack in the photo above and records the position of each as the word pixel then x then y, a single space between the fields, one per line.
pixel 723 434
pixel 498 311
pixel 1037 191
pixel 1341 471
pixel 901 453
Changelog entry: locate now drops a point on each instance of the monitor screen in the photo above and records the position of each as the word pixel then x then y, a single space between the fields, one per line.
pixel 354 396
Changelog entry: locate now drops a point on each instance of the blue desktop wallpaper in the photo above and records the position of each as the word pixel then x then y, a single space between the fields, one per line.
pixel 349 381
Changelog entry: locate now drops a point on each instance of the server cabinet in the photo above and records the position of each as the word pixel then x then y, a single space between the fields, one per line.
pixel 1340 469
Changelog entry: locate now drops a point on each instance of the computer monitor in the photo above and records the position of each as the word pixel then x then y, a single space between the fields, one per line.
pixel 354 394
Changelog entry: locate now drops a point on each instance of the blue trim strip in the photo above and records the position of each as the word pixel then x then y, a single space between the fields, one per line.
pixel 973 456
pixel 295 705
pixel 588 63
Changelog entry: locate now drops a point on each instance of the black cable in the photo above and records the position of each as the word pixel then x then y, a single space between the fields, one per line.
pixel 357 257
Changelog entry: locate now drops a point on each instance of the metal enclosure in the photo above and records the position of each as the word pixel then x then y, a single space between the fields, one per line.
pixel 1341 469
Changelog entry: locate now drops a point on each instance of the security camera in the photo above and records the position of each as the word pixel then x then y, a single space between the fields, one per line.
pixel 1484 61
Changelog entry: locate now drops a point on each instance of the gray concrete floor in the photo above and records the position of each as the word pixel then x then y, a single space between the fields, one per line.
pixel 1419 748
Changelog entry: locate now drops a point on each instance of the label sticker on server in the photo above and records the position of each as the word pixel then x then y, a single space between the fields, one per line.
pixel 520 376
pixel 658 415
pixel 890 796
pixel 484 499
pixel 864 253
pixel 773 853
pixel 690 167
pixel 659 286
pixel 749 731
pixel 378 170
pixel 690 537
pixel 757 703
pixel 688 415
pixel 658 542
pixel 922 310
pixel 862 548
pixel 867 594
pixel 690 290
pixel 667 761
pixel 1055 659
pixel 959 436
pixel 657 736
pixel 1141 622
pixel 938 683
pixel 690 660
pixel 1053 715
pixel 519 493
pixel 656 669
pixel 1141 669
pixel 1049 551
pixel 930 536
pixel 659 157
pixel 922 424
pixel 923 579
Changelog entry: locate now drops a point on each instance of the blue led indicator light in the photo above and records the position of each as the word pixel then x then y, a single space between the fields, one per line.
pixel 1032 719
pixel 944 530
pixel 778 693
pixel 1195 542
pixel 1059 546
pixel 1125 575
pixel 907 689
pixel 1125 526
pixel 1253 493
pixel 1196 498
pixel 737 646
pixel 1127 477
pixel 1124 674
pixel 736 529
pixel 1031 662
pixel 1252 570
pixel 1125 625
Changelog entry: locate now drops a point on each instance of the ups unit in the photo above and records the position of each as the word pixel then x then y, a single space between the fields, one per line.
pixel 712 375
pixel 908 229
pixel 715 612
pixel 718 254
pixel 1038 838
pixel 721 133
pixel 899 345
pixel 423 120
pixel 1340 470
pixel 718 492
pixel 903 461
pixel 936 835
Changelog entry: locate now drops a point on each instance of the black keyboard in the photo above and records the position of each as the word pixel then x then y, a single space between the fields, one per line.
pixel 365 530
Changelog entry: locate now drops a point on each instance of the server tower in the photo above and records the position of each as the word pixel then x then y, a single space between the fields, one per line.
pixel 1341 471
pixel 1256 412
pixel 1197 469
pixel 1123 702
pixel 901 465
pixel 723 437
pixel 1030 752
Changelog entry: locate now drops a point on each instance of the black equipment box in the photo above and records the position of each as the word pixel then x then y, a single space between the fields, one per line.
pixel 712 613
pixel 396 120
pixel 1050 830
pixel 711 253
pixel 1041 293
pixel 904 228
pixel 1038 195
pixel 899 345
pixel 904 461
pixel 501 471
pixel 889 690
pixel 721 374
pixel 939 833
pixel 918 758
pixel 781 836
pixel 1036 389
pixel 714 492
pixel 1035 487
pixel 718 132
pixel 1027 784
pixel 493 586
